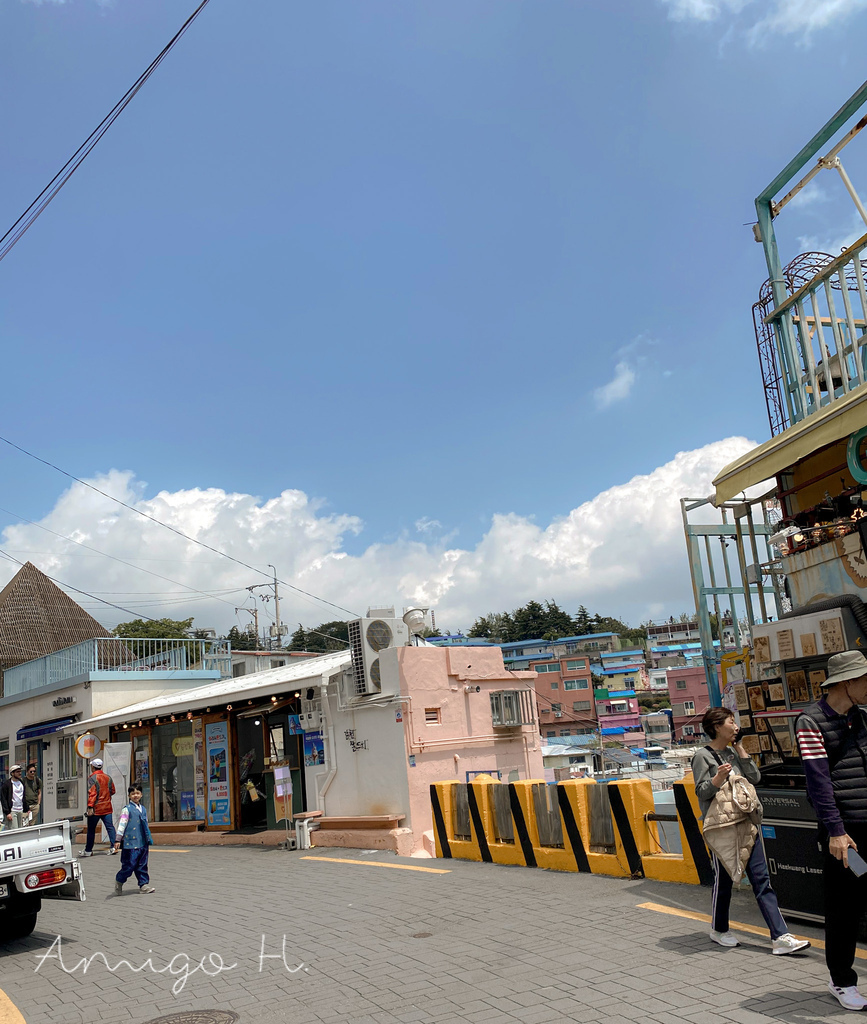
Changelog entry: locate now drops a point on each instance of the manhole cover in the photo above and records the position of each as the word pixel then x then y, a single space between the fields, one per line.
pixel 198 1017
pixel 422 935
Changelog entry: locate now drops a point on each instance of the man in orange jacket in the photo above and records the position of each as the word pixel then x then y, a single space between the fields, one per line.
pixel 100 790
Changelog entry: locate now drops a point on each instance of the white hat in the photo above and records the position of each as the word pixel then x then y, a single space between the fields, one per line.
pixel 15 768
pixel 97 762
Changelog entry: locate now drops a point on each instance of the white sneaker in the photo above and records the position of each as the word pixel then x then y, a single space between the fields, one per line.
pixel 788 944
pixel 86 853
pixel 112 852
pixel 723 938
pixel 849 998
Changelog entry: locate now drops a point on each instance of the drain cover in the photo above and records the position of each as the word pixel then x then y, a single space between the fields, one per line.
pixel 198 1017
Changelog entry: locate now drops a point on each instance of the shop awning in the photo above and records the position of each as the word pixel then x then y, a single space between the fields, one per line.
pixel 840 419
pixel 44 728
pixel 613 731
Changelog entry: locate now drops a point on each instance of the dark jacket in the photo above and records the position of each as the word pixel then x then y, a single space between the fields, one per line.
pixel 836 764
pixel 6 798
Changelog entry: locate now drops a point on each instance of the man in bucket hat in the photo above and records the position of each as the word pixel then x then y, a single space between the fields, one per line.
pixel 13 799
pixel 832 739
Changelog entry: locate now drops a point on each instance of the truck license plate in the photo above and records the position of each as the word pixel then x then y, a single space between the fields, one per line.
pixel 4 891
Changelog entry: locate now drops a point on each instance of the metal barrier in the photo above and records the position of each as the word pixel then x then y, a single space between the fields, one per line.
pixel 576 825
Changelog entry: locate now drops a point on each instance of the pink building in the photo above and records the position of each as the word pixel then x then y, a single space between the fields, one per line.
pixel 687 689
pixel 441 714
pixel 564 695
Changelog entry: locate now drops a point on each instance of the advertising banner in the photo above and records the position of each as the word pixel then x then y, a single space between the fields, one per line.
pixel 199 765
pixel 217 753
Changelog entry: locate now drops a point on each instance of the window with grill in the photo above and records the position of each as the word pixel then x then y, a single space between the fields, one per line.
pixel 581 705
pixel 68 767
pixel 512 707
pixel 432 716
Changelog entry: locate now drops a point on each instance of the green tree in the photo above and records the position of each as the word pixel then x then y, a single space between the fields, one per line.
pixel 157 629
pixel 326 637
pixel 583 622
pixel 242 640
pixel 495 626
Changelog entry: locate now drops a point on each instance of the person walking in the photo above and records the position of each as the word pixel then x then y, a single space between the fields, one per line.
pixel 832 740
pixel 712 766
pixel 33 790
pixel 100 790
pixel 134 840
pixel 13 800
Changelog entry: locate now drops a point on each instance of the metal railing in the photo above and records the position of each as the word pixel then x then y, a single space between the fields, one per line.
pixel 821 335
pixel 119 654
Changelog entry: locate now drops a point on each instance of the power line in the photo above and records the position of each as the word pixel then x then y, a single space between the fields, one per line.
pixel 173 529
pixel 26 220
pixel 68 586
pixel 105 554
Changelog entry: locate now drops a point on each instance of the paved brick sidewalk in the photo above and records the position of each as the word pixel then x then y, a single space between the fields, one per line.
pixel 379 945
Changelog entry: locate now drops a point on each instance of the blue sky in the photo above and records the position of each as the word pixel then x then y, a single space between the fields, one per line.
pixel 423 264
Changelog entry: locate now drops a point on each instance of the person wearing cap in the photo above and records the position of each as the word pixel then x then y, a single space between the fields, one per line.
pixel 832 740
pixel 33 789
pixel 13 800
pixel 100 790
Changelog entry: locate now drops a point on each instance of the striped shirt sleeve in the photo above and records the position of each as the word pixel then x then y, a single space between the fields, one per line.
pixel 811 744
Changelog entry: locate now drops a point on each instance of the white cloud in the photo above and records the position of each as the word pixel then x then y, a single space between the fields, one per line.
pixel 834 243
pixel 787 17
pixel 811 194
pixel 620 553
pixel 426 525
pixel 617 388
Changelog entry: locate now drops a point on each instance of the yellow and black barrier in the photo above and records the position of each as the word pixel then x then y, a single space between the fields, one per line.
pixel 568 827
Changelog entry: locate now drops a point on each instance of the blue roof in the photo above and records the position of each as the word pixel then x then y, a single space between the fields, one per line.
pixel 620 693
pixel 526 643
pixel 584 636
pixel 622 671
pixel 620 654
pixel 617 730
pixel 526 657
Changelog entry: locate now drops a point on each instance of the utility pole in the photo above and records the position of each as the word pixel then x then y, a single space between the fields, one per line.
pixel 277 607
pixel 254 611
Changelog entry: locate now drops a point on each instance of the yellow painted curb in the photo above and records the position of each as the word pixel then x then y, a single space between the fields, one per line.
pixel 380 864
pixel 735 926
pixel 9 1012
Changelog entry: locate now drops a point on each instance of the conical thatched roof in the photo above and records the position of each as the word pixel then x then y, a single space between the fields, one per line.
pixel 37 618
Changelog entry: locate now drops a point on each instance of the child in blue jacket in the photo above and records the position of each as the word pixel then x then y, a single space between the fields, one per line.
pixel 134 840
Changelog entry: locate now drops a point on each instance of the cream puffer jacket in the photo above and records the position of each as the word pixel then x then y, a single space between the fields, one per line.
pixel 731 824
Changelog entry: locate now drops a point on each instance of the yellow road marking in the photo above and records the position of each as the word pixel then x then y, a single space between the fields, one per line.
pixel 380 864
pixel 736 926
pixel 9 1012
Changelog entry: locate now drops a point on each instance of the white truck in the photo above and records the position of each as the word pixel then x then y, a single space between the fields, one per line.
pixel 36 863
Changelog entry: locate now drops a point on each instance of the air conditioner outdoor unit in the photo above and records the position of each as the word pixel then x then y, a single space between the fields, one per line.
pixel 558 714
pixel 367 637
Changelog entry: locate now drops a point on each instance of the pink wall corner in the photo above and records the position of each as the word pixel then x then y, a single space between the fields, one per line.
pixel 463 739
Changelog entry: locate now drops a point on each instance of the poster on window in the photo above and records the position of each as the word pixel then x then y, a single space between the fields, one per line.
pixel 217 754
pixel 199 769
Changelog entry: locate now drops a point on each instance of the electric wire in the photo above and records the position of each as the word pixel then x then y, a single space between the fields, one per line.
pixel 172 529
pixel 68 586
pixel 122 561
pixel 26 220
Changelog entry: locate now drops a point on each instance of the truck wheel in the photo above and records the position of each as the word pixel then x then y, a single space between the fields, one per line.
pixel 21 927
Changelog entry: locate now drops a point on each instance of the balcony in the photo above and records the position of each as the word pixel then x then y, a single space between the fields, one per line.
pixel 113 656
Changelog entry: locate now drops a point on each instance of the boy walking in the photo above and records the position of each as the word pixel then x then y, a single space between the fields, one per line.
pixel 133 840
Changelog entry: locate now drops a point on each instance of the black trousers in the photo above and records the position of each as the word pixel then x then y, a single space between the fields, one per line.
pixel 845 903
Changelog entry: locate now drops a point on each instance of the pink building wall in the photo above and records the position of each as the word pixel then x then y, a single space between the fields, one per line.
pixel 693 691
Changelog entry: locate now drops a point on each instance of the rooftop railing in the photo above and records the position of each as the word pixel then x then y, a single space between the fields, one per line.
pixel 119 654
pixel 820 333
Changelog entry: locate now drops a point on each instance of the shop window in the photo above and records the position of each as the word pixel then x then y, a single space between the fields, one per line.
pixel 173 772
pixel 432 716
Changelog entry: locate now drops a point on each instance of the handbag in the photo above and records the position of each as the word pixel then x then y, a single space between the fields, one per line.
pixel 742 792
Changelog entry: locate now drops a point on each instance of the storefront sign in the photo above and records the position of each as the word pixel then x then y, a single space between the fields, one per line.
pixel 182 746
pixel 62 701
pixel 217 750
pixel 283 794
pixel 88 745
